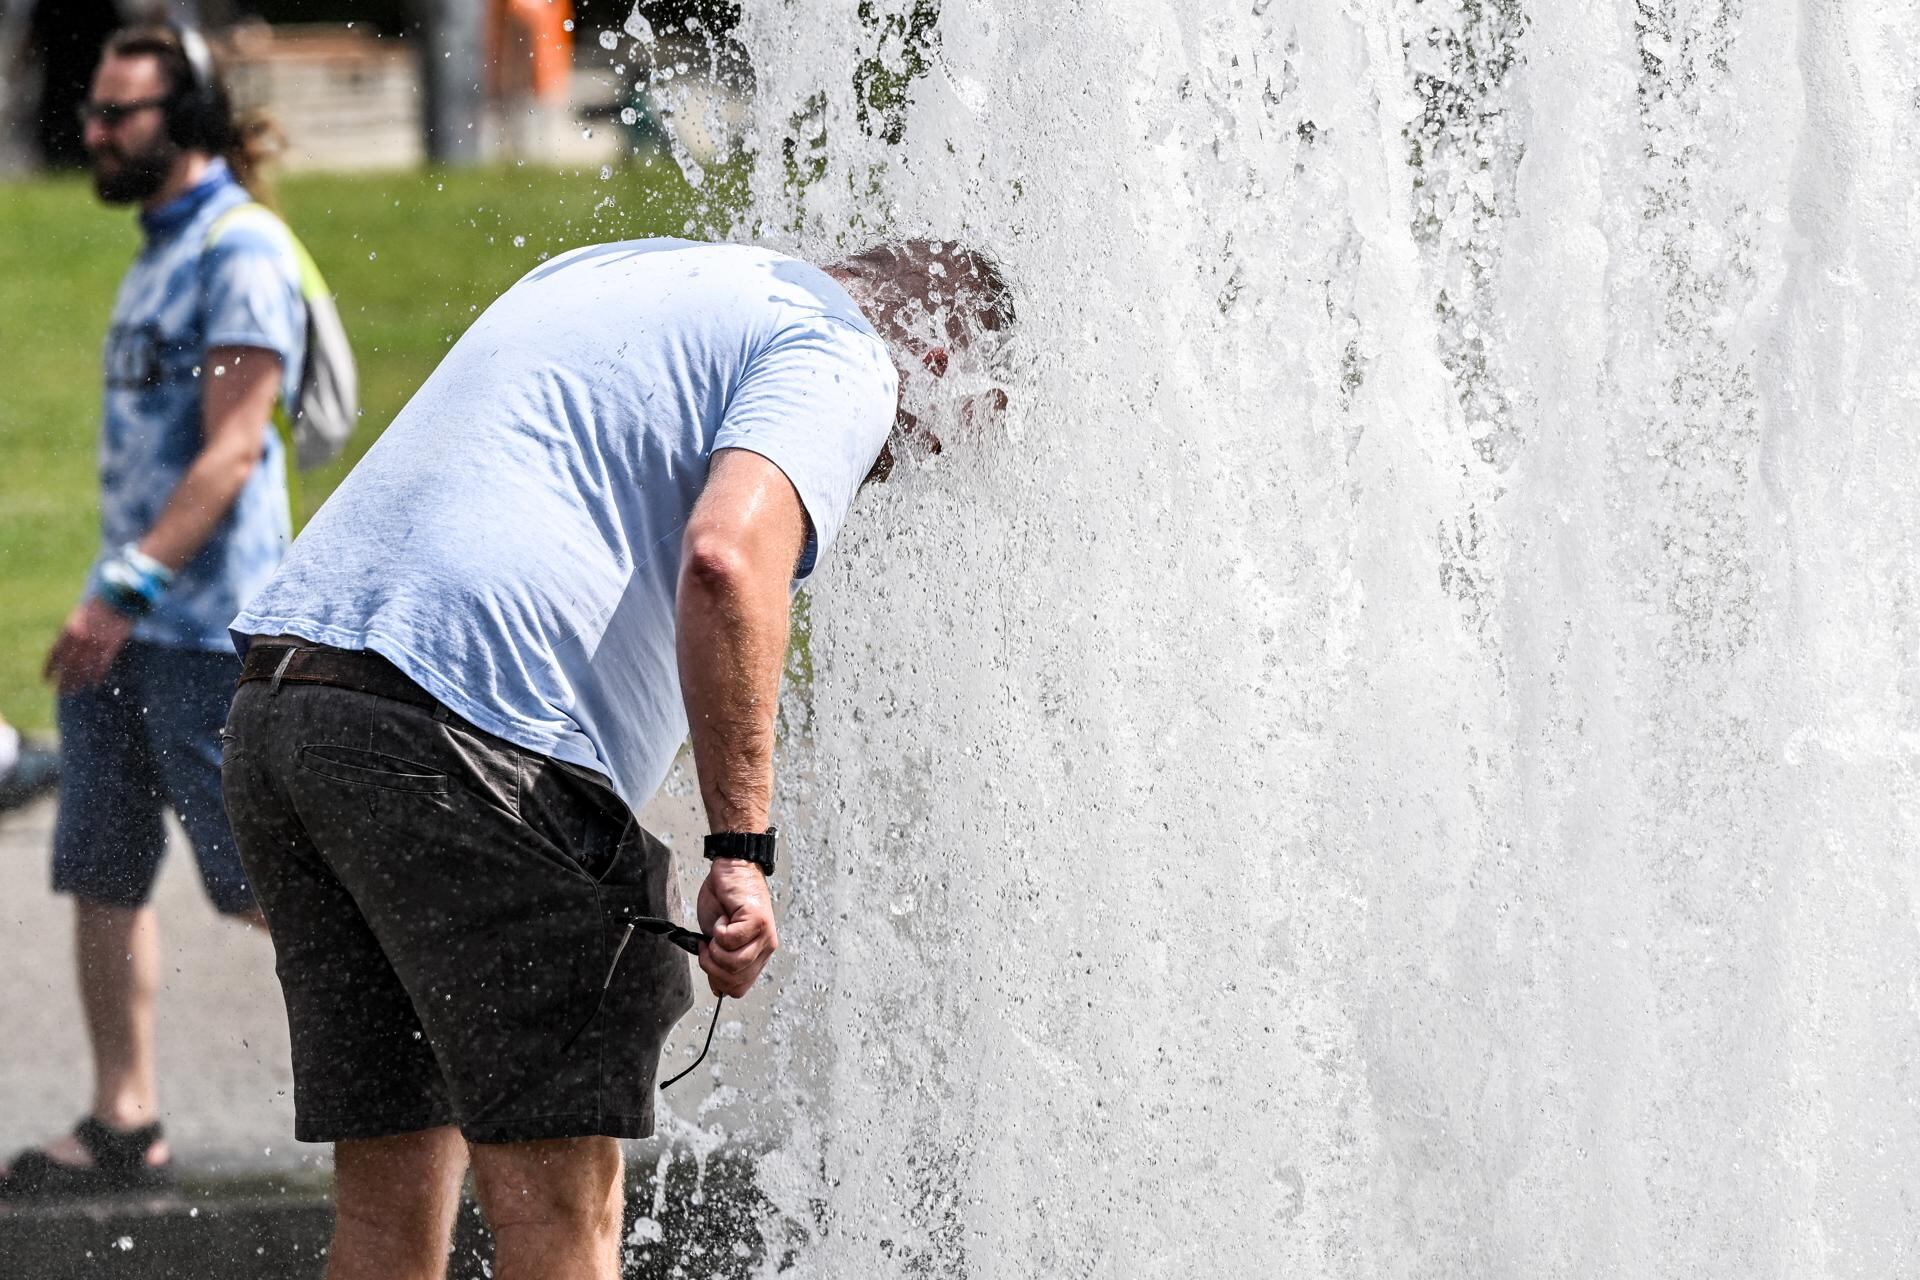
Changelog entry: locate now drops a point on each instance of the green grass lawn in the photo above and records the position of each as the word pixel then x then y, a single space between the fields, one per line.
pixel 413 257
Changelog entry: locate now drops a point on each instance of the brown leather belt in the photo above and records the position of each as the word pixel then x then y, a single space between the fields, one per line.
pixel 363 670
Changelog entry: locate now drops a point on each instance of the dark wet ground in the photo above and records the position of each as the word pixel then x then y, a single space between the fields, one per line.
pixel 705 1221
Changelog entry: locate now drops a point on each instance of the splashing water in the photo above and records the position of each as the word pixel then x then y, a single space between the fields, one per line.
pixel 1399 758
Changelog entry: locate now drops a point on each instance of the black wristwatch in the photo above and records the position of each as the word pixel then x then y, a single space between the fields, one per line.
pixel 748 846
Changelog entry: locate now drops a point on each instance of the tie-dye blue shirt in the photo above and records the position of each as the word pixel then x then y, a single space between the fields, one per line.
pixel 182 298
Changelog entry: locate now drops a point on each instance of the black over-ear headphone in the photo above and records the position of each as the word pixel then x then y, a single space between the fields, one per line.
pixel 199 115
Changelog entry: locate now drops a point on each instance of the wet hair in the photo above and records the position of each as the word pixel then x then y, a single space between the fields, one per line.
pixel 909 282
pixel 200 111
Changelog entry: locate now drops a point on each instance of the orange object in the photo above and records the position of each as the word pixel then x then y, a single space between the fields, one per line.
pixel 530 47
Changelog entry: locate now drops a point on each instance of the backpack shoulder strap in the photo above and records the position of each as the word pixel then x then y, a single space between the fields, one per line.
pixel 312 284
pixel 245 211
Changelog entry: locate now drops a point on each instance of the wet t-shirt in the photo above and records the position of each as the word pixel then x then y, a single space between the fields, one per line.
pixel 512 542
pixel 181 298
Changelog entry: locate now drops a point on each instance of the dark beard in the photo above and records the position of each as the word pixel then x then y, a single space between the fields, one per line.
pixel 140 174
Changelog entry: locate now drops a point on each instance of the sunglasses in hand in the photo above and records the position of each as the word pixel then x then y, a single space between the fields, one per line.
pixel 688 940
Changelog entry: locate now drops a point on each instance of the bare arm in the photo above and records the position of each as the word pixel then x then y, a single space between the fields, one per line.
pixel 736 566
pixel 241 383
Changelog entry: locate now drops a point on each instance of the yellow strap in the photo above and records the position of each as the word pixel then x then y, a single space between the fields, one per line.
pixel 312 283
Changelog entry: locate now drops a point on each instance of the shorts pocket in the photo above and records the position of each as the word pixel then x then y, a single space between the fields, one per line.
pixel 648 983
pixel 372 769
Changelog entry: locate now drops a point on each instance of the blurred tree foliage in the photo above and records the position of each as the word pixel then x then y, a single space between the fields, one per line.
pixel 903 40
pixel 718 16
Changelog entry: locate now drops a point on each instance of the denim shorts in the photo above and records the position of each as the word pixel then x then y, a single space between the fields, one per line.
pixel 143 740
pixel 447 915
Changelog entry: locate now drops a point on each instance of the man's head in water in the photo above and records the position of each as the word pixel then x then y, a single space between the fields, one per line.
pixel 930 301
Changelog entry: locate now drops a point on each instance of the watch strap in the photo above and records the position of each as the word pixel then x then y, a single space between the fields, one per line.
pixel 749 846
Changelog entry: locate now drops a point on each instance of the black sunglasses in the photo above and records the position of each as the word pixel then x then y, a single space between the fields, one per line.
pixel 688 940
pixel 112 113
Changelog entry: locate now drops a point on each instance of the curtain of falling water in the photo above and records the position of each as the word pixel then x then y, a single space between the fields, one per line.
pixel 1398 758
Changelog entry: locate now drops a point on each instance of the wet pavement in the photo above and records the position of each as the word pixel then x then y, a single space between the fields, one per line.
pixel 222 1036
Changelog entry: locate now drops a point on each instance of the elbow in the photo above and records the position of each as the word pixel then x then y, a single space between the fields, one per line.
pixel 713 567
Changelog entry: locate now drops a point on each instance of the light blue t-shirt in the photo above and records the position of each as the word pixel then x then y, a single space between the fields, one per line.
pixel 180 299
pixel 512 542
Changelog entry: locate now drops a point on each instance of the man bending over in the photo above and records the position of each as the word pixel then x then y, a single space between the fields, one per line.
pixel 575 544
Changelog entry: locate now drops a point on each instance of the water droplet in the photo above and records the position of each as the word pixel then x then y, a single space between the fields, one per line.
pixel 628 115
pixel 124 1244
pixel 567 25
pixel 638 27
pixel 585 134
pixel 519 242
pixel 372 256
pixel 608 40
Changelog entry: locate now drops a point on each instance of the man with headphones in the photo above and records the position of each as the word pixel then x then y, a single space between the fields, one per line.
pixel 207 333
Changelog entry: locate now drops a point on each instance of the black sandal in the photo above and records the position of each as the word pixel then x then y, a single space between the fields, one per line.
pixel 119 1164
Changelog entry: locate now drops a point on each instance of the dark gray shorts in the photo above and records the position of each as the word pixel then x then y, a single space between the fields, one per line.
pixel 445 910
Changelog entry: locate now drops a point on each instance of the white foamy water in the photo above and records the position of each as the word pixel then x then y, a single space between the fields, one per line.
pixel 1402 761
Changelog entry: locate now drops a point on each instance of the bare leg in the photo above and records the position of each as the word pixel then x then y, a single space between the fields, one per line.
pixel 394 1202
pixel 554 1207
pixel 117 950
